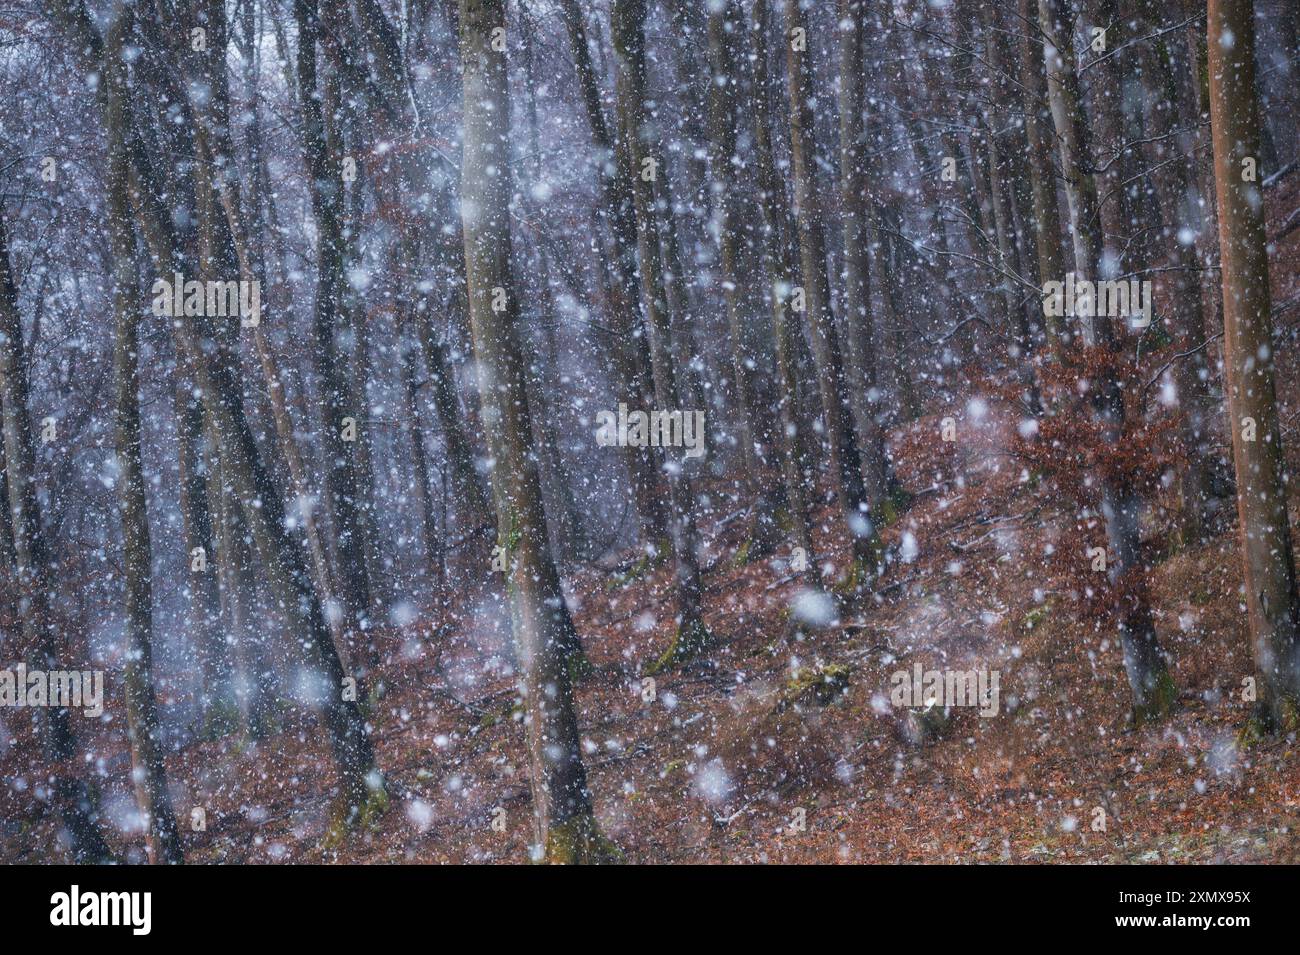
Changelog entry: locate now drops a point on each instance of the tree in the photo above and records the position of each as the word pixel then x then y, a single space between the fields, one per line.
pixel 147 753
pixel 627 18
pixel 33 573
pixel 860 334
pixel 323 160
pixel 564 824
pixel 1273 609
pixel 362 792
pixel 1144 661
pixel 845 473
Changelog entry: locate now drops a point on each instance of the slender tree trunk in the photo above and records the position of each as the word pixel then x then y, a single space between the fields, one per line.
pixel 778 265
pixel 859 334
pixel 564 822
pixel 434 547
pixel 1144 661
pixel 324 167
pixel 1176 185
pixel 627 18
pixel 215 668
pixel 147 750
pixel 757 436
pixel 1042 167
pixel 33 572
pixel 846 476
pixel 1272 606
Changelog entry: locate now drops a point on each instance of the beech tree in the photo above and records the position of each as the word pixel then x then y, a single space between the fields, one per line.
pixel 1268 560
pixel 565 828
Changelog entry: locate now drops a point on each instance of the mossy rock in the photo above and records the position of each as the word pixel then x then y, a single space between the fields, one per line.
pixel 690 640
pixel 818 685
pixel 921 725
pixel 579 842
pixel 1036 616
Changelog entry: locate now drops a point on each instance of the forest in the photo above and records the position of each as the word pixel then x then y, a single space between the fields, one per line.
pixel 649 431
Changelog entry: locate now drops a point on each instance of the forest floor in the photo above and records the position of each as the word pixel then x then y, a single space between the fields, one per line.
pixel 780 744
pixel 772 721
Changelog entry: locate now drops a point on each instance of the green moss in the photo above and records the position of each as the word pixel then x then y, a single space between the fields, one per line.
pixel 823 685
pixel 742 554
pixel 635 572
pixel 1036 615
pixel 891 506
pixel 1159 703
pixel 579 842
pixel 692 638
pixel 346 818
pixel 220 720
pixel 579 666
pixel 503 715
pixel 1265 723
pixel 862 571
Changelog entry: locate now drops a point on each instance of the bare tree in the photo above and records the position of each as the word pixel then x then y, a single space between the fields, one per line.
pixel 564 825
pixel 1268 560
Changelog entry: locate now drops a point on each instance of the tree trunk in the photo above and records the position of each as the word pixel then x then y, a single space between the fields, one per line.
pixel 778 265
pixel 323 160
pixel 564 823
pixel 1269 563
pixel 627 18
pixel 1177 185
pixel 33 573
pixel 148 773
pixel 1144 661
pixel 1042 168
pixel 859 334
pixel 200 569
pixel 845 473
pixel 435 553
